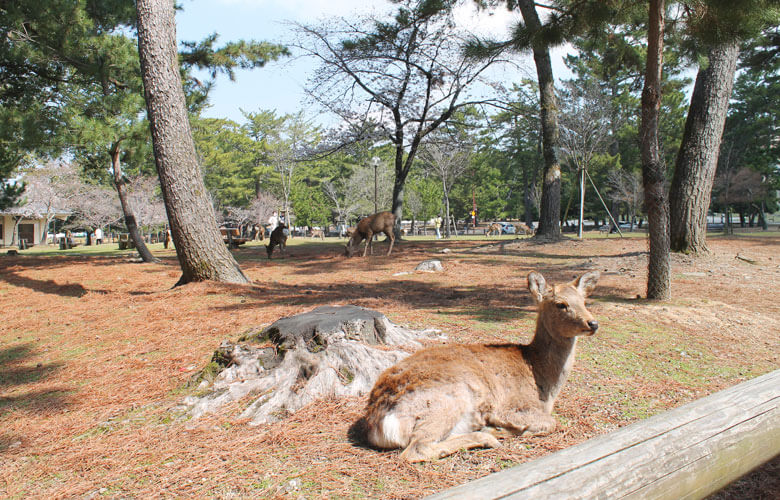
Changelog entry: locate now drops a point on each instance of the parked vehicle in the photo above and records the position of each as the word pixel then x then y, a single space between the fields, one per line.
pixel 507 228
pixel 624 226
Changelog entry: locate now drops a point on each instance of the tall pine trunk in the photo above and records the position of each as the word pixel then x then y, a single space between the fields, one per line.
pixel 653 169
pixel 199 246
pixel 697 159
pixel 550 209
pixel 132 226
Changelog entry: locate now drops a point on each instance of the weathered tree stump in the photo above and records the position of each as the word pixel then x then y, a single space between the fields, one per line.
pixel 329 351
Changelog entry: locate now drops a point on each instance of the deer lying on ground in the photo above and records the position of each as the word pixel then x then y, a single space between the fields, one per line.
pixel 381 222
pixel 524 229
pixel 277 238
pixel 494 228
pixel 447 398
pixel 318 233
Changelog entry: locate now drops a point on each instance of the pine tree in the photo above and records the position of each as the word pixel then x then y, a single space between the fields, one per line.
pixel 714 29
pixel 199 246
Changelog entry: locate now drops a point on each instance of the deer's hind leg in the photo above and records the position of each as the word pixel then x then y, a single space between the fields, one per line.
pixel 445 429
pixel 423 450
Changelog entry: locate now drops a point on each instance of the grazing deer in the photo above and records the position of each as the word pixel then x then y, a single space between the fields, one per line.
pixel 524 228
pixel 318 233
pixel 495 228
pixel 446 398
pixel 277 238
pixel 381 222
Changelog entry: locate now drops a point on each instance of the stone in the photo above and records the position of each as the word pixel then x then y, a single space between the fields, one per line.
pixel 430 265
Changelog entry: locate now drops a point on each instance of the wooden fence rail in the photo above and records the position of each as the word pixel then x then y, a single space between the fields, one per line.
pixel 687 452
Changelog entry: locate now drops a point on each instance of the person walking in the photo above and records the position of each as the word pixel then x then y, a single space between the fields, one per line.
pixel 98 236
pixel 273 221
pixel 437 223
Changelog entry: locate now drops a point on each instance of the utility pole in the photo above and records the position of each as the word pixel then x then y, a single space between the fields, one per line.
pixel 582 202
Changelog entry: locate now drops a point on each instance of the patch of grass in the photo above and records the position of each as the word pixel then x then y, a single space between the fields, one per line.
pixel 646 355
pixel 503 463
pixel 632 407
pixel 264 484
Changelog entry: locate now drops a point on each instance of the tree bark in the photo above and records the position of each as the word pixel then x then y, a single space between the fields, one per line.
pixel 550 209
pixel 398 203
pixel 127 211
pixel 199 246
pixel 402 166
pixel 653 169
pixel 697 159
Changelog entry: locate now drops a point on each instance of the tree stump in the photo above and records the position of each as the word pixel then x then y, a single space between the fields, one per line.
pixel 329 351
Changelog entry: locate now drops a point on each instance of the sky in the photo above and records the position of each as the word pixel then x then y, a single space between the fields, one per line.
pixel 279 85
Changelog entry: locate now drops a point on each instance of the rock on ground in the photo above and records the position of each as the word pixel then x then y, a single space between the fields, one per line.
pixel 430 265
pixel 329 351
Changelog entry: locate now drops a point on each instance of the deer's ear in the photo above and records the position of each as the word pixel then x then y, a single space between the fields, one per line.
pixel 537 286
pixel 587 282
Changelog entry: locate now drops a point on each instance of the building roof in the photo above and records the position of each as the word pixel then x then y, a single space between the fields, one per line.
pixel 35 210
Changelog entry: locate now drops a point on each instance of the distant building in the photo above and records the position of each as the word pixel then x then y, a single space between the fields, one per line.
pixel 32 223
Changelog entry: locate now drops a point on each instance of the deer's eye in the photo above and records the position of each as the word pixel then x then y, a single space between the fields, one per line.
pixel 561 305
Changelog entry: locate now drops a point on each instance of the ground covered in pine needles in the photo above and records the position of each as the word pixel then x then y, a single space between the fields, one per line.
pixel 96 351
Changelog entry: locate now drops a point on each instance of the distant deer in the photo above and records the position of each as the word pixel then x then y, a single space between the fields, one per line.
pixel 524 228
pixel 318 233
pixel 381 222
pixel 494 228
pixel 277 238
pixel 447 398
pixel 259 232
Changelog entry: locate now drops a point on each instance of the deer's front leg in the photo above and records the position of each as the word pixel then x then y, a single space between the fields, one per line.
pixel 369 237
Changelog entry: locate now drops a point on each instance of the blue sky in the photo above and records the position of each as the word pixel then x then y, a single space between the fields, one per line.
pixel 279 85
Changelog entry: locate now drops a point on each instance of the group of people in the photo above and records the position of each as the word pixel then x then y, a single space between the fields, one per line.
pixel 275 220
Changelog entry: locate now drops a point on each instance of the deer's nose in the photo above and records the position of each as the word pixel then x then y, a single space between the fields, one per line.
pixel 593 325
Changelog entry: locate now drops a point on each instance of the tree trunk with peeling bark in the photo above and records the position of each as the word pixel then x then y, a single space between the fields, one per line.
pixel 199 246
pixel 697 159
pixel 132 226
pixel 653 168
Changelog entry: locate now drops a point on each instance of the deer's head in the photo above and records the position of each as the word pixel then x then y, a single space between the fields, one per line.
pixel 349 249
pixel 562 308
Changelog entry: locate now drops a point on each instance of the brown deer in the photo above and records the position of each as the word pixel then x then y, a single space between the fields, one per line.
pixel 318 233
pixel 381 222
pixel 259 231
pixel 447 398
pixel 524 229
pixel 278 237
pixel 494 228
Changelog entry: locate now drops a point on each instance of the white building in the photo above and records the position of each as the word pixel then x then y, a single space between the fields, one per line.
pixel 28 222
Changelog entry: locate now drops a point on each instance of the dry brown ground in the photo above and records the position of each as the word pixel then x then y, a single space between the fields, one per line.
pixel 96 351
